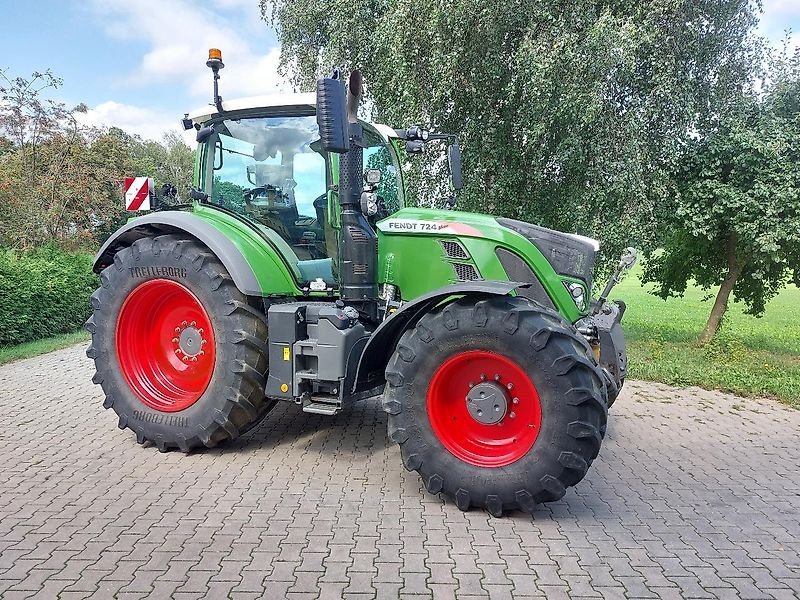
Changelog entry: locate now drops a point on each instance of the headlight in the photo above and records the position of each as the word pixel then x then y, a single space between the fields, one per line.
pixel 578 296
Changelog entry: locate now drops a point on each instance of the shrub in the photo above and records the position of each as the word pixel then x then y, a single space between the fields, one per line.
pixel 43 293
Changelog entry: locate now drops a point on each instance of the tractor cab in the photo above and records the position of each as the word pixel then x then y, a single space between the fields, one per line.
pixel 262 159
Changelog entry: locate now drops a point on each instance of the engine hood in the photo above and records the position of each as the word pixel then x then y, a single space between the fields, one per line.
pixel 570 254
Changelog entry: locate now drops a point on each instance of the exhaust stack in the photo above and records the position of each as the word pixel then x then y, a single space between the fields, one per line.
pixel 358 245
pixel 341 133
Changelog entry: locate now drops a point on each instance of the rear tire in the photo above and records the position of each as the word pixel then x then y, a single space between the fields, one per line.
pixel 539 438
pixel 180 353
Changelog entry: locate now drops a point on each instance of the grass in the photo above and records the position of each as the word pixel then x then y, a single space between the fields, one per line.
pixel 11 353
pixel 750 356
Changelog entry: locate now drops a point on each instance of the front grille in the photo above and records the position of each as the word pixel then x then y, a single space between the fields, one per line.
pixel 518 270
pixel 454 250
pixel 465 272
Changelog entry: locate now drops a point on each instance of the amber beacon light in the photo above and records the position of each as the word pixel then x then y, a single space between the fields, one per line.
pixel 215 63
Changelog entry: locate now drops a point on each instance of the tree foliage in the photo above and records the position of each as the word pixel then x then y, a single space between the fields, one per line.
pixel 571 114
pixel 229 195
pixel 62 181
pixel 733 216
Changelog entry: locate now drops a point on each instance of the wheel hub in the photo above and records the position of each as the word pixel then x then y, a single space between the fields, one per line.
pixel 190 341
pixel 487 402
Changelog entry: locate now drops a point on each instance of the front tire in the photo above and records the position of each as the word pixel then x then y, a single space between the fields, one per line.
pixel 497 404
pixel 180 353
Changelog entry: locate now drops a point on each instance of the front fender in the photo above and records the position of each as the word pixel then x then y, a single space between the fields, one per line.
pixel 231 243
pixel 382 343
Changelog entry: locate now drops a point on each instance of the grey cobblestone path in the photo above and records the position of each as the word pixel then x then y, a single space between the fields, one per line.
pixel 695 495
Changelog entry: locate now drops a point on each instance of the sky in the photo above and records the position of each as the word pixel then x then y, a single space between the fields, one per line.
pixel 140 64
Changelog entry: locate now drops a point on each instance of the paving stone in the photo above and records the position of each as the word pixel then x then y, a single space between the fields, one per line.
pixel 683 502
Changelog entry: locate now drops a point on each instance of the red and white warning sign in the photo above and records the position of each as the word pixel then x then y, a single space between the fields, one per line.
pixel 137 193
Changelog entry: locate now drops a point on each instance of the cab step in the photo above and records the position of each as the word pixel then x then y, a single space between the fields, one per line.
pixel 322 405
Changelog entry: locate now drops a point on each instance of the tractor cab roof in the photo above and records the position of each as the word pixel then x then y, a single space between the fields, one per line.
pixel 278 105
pixel 273 104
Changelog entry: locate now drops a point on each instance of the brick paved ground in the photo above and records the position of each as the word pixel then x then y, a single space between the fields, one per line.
pixel 695 495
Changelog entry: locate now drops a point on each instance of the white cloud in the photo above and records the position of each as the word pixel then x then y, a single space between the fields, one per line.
pixel 178 34
pixel 147 122
pixel 777 17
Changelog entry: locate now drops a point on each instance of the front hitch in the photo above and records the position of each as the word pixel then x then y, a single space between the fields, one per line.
pixel 626 261
pixel 602 328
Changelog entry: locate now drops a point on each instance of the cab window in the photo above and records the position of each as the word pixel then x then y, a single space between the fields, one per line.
pixel 270 170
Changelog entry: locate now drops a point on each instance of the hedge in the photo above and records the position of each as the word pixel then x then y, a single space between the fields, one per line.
pixel 43 293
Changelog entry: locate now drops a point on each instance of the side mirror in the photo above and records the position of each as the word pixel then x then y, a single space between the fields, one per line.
pixel 204 133
pixel 454 158
pixel 332 115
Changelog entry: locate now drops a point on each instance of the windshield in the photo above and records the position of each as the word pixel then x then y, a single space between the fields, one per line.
pixel 272 170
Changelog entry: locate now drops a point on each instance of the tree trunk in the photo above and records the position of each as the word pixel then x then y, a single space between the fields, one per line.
pixel 721 302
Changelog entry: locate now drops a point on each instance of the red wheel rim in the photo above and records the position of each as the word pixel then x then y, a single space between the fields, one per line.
pixel 165 345
pixel 478 443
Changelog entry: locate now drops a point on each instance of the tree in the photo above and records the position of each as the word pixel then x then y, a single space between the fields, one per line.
pixel 571 114
pixel 62 181
pixel 229 195
pixel 39 166
pixel 734 215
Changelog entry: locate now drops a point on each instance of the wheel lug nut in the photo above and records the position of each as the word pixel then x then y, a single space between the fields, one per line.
pixel 471 385
pixel 175 340
pixel 510 386
pixel 177 330
pixel 515 400
pixel 177 350
pixel 512 414
pixel 200 331
pixel 483 376
pixel 194 359
pixel 497 377
pixel 184 324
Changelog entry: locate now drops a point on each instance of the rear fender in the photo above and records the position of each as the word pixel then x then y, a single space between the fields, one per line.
pixel 230 250
pixel 381 344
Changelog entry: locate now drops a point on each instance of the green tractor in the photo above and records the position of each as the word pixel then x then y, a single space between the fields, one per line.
pixel 296 274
